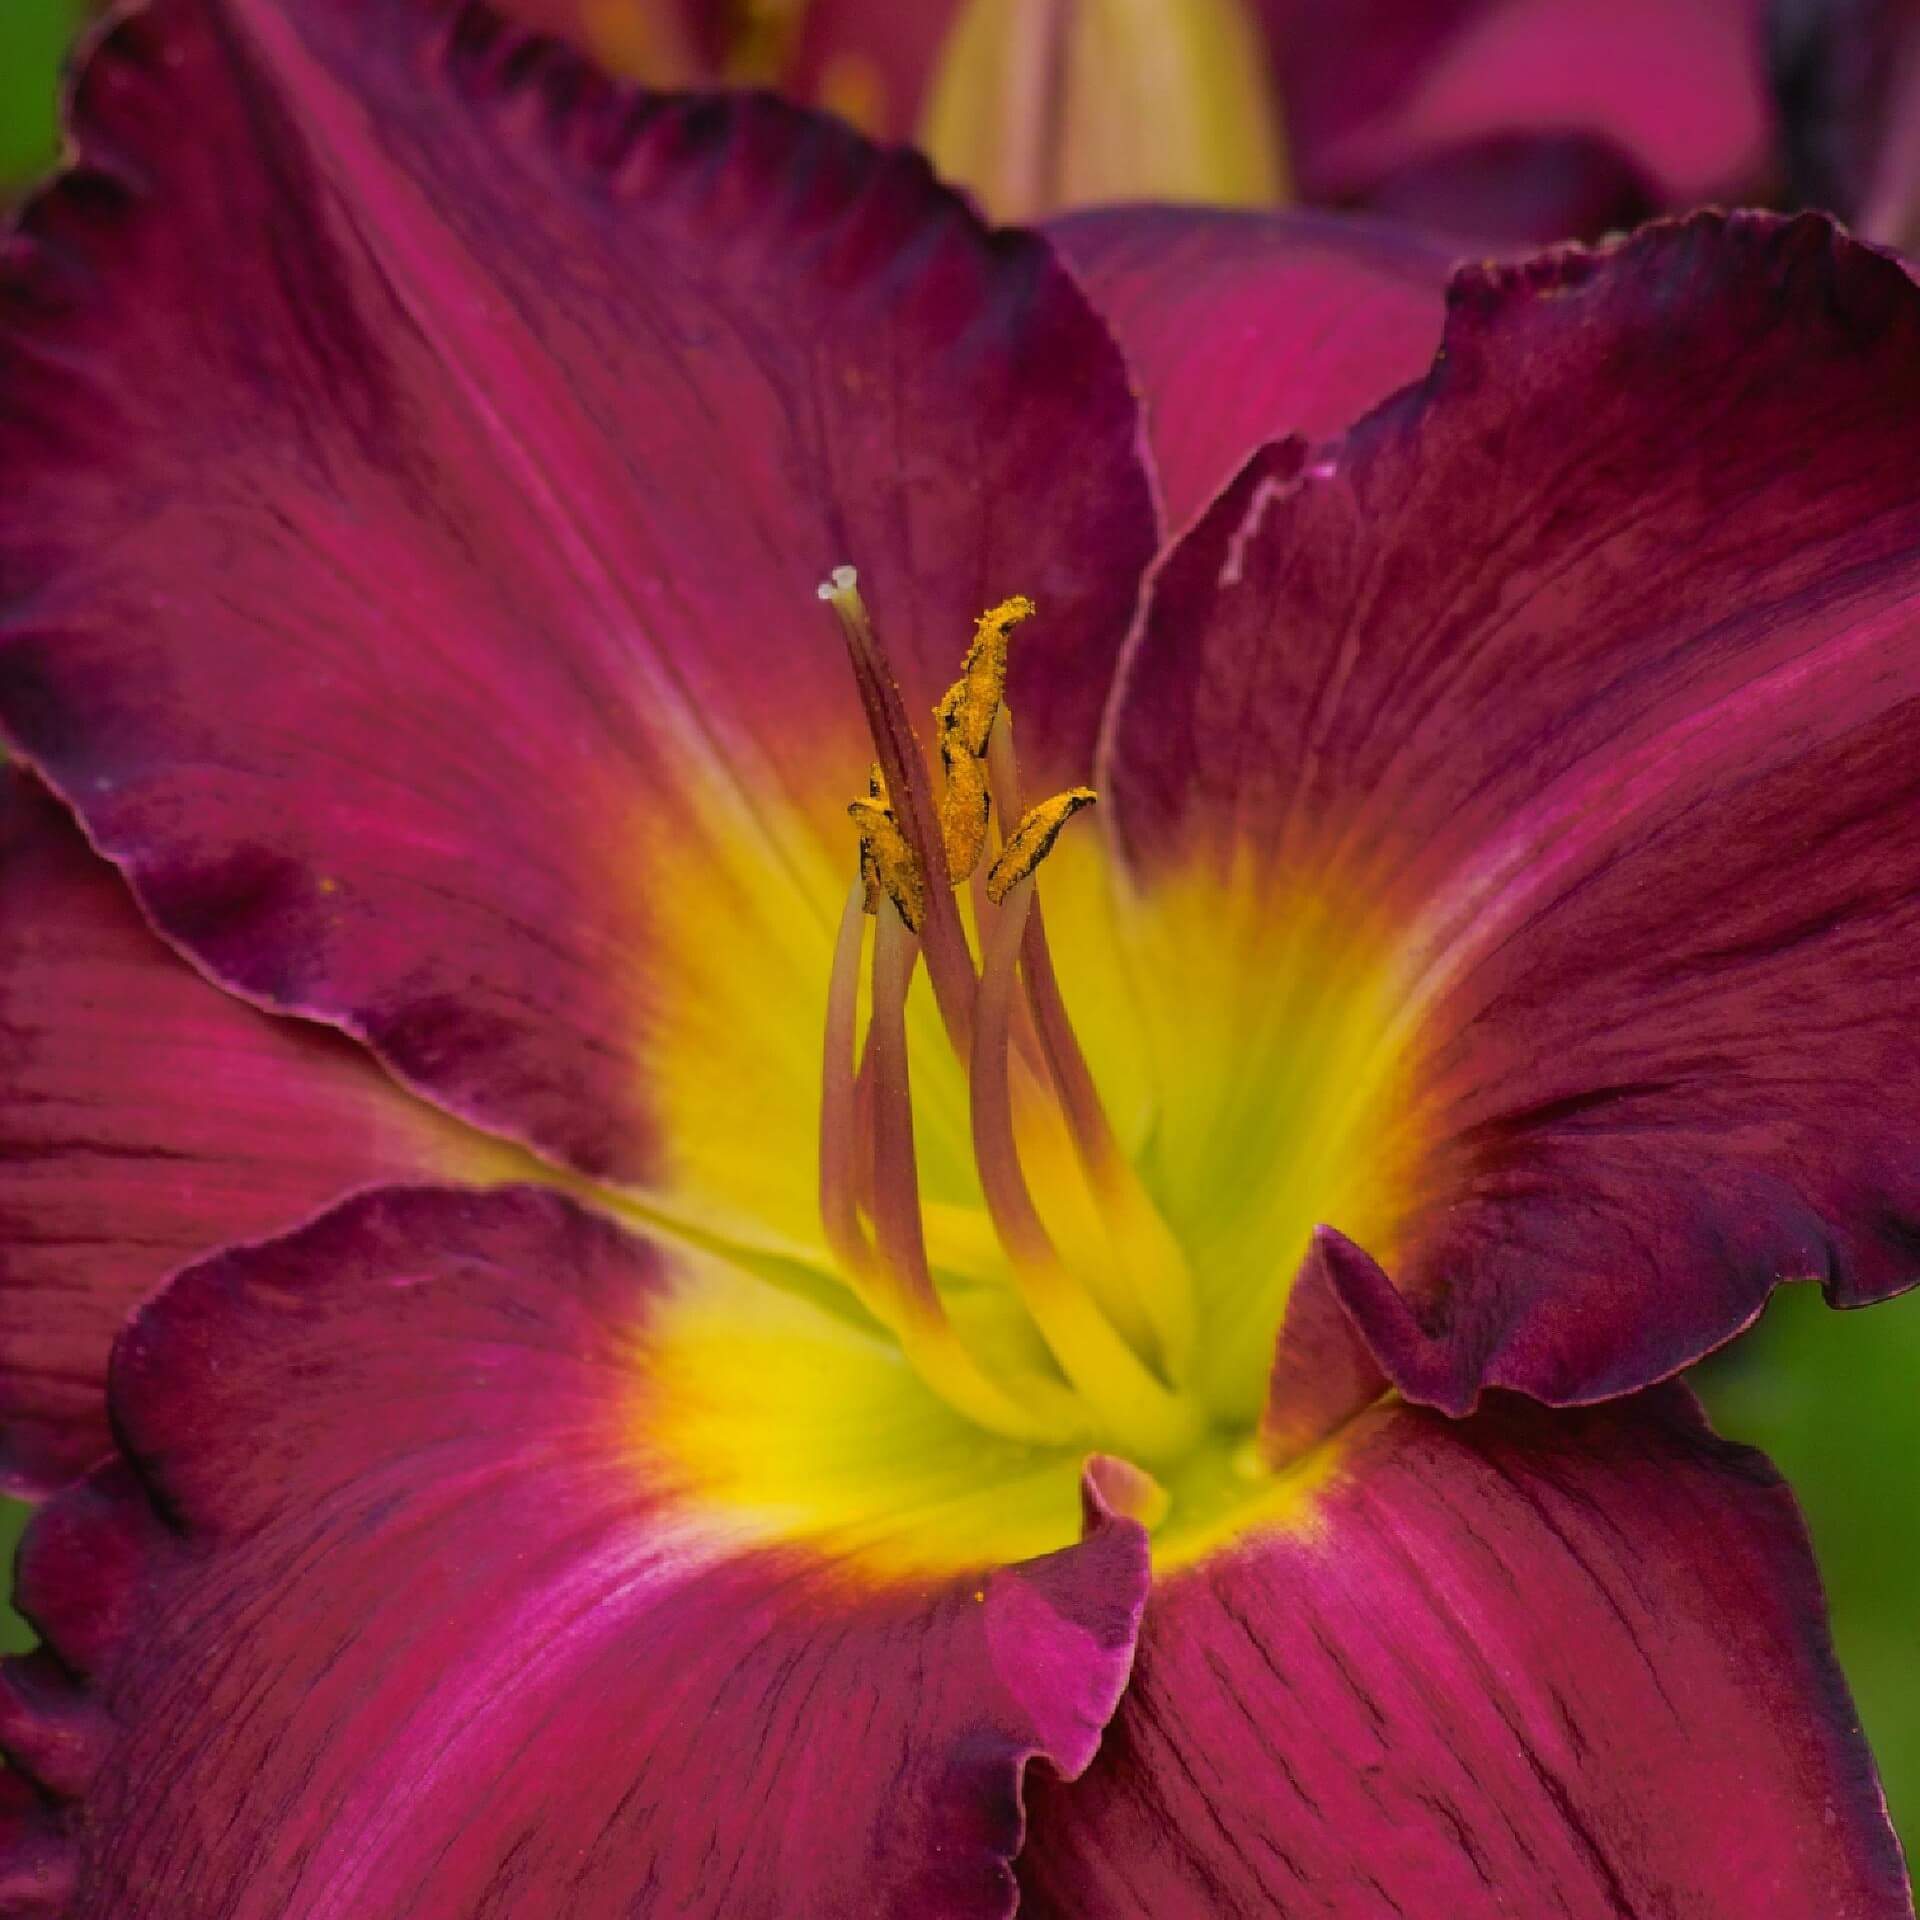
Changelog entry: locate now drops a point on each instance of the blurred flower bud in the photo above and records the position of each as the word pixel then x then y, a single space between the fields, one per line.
pixel 1041 104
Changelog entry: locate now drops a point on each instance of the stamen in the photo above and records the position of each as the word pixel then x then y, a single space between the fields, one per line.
pixel 869 868
pixel 965 717
pixel 887 863
pixel 1148 1259
pixel 964 806
pixel 905 1298
pixel 970 706
pixel 1032 840
pixel 868 1167
pixel 949 964
pixel 1106 1372
pixel 1145 1252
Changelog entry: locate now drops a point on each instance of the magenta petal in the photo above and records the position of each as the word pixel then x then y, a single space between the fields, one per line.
pixel 1327 1361
pixel 1847 78
pixel 1594 715
pixel 36 1866
pixel 1531 1664
pixel 1379 89
pixel 145 1119
pixel 418 483
pixel 401 1618
pixel 1246 327
pixel 1515 190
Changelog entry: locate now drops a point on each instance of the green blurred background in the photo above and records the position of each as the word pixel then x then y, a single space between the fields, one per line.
pixel 33 42
pixel 1832 1397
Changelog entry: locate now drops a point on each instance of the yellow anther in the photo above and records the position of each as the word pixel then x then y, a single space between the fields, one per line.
pixel 967 709
pixel 1032 840
pixel 964 806
pixel 887 862
pixel 869 867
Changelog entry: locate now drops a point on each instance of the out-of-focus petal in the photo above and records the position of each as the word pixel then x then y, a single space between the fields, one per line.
pixel 418 483
pixel 146 1118
pixel 1517 189
pixel 1533 1663
pixel 1244 327
pixel 1529 787
pixel 1040 108
pixel 1846 76
pixel 1378 90
pixel 401 1615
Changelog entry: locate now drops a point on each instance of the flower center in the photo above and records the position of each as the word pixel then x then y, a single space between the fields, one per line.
pixel 1111 1319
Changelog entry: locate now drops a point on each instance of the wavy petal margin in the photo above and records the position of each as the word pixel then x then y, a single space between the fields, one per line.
pixel 1533 1663
pixel 418 484
pixel 398 1615
pixel 1575 715
pixel 146 1119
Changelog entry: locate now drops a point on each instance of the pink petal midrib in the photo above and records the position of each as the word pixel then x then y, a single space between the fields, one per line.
pixel 544 433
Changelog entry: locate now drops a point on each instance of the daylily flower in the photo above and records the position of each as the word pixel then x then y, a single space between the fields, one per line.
pixel 1847 77
pixel 692 1385
pixel 1500 120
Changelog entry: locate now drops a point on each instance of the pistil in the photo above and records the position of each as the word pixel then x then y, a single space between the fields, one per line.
pixel 949 965
pixel 840 1132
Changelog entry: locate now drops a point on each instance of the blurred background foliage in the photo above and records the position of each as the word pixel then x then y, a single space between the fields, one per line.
pixel 1831 1397
pixel 33 41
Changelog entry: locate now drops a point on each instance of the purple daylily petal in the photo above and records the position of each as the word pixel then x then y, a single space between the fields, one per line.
pixel 146 1119
pixel 399 1616
pixel 36 1867
pixel 1589 707
pixel 1246 327
pixel 1514 190
pixel 419 481
pixel 1530 1663
pixel 1847 78
pixel 1378 91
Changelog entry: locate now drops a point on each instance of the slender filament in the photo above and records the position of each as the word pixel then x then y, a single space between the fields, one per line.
pixel 1113 1380
pixel 1147 1257
pixel 904 1297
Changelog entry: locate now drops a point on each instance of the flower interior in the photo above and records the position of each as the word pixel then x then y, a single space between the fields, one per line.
pixel 1062 1199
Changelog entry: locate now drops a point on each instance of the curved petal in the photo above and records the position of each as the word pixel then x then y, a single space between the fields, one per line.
pixel 406 1618
pixel 1519 189
pixel 1846 76
pixel 1535 1663
pixel 1529 785
pixel 420 483
pixel 1247 327
pixel 1385 87
pixel 146 1119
